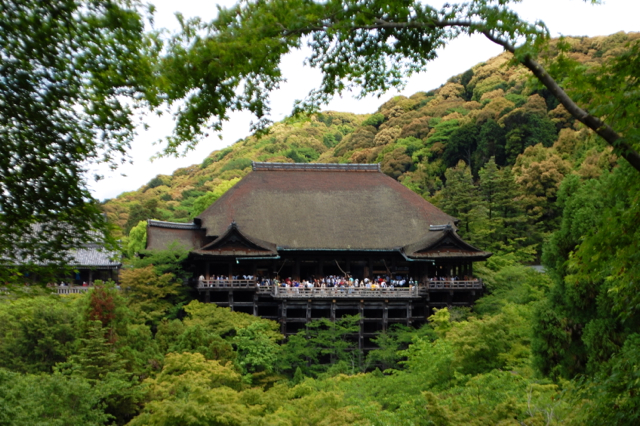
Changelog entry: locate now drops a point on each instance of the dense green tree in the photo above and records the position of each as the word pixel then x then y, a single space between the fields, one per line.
pixel 151 296
pixel 396 162
pixel 591 309
pixel 141 212
pixel 461 145
pixel 460 197
pixel 137 239
pixel 168 261
pixel 392 342
pixel 524 129
pixel 36 333
pixel 49 400
pixel 193 391
pixel 257 348
pixel 515 284
pixel 491 143
pixel 489 187
pixel 611 396
pixel 72 72
pixel 506 227
pixel 324 346
pixel 539 173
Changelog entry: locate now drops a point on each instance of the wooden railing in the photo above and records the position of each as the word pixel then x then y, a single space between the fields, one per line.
pixel 74 289
pixel 227 283
pixel 71 289
pixel 299 292
pixel 343 292
pixel 452 285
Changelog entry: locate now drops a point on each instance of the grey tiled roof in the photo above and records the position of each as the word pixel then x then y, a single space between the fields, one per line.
pixel 88 255
pixel 92 256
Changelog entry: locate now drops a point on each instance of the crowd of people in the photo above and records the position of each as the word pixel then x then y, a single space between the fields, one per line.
pixel 340 282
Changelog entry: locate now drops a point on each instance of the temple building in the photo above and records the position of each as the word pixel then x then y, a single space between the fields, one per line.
pixel 307 221
pixel 86 262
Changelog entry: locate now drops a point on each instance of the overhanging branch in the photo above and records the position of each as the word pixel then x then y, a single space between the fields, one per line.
pixel 594 123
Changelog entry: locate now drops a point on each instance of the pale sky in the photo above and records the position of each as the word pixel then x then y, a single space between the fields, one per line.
pixel 563 17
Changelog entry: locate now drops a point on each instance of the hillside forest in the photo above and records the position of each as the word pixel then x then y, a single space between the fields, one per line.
pixel 491 147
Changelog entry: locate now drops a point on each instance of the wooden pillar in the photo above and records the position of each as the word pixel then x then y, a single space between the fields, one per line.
pixel 361 333
pixel 207 296
pixel 308 316
pixel 230 273
pixel 255 304
pixel 385 316
pixel 370 262
pixel 409 312
pixel 231 299
pixel 274 268
pixel 470 269
pixel 207 272
pixel 283 317
pixel 333 310
pixel 90 276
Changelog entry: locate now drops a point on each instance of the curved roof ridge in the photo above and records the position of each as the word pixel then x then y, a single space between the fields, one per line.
pixel 316 167
pixel 174 225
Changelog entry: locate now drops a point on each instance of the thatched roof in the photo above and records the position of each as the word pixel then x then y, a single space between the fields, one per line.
pixel 161 235
pixel 323 207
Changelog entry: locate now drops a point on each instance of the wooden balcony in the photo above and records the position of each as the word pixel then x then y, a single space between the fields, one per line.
pixel 71 289
pixel 340 292
pixel 227 284
pixel 452 285
pixel 344 293
pixel 429 285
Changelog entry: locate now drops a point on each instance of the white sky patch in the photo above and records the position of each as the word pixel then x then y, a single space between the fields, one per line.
pixel 562 17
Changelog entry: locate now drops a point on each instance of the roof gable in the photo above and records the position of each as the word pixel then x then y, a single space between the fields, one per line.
pixel 443 241
pixel 235 243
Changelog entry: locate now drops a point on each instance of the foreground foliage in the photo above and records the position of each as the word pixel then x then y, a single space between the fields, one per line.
pixel 106 363
pixel 71 74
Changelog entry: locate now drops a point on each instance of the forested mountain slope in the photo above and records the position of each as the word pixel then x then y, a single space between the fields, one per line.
pixel 492 110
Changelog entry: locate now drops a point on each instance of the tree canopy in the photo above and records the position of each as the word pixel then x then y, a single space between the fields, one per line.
pixel 71 74
pixel 233 62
